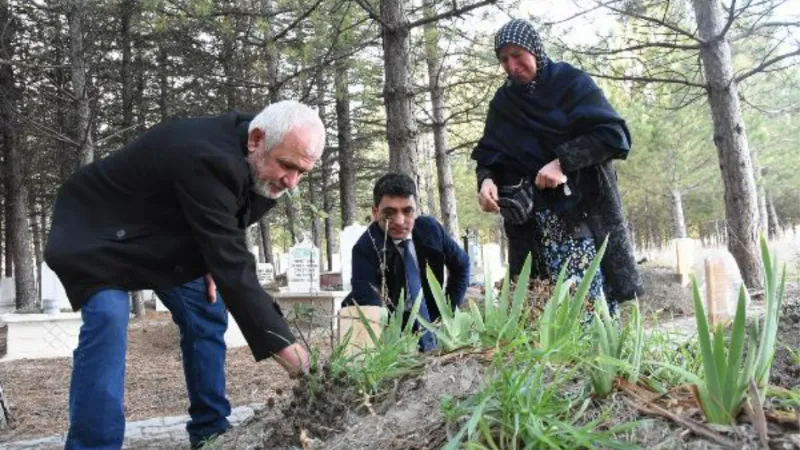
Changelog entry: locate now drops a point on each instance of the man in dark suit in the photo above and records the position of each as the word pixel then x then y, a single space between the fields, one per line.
pixel 409 244
pixel 168 212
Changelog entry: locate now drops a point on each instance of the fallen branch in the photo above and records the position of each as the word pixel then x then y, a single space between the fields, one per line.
pixel 694 427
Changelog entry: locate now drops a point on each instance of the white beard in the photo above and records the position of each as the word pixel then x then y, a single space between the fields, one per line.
pixel 262 188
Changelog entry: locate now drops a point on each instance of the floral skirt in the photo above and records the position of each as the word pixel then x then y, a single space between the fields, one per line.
pixel 557 246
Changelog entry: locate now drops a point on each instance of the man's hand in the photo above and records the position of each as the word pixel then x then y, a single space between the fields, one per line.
pixel 294 359
pixel 211 289
pixel 550 176
pixel 487 198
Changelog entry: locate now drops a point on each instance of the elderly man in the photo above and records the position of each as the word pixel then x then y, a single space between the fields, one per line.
pixel 168 212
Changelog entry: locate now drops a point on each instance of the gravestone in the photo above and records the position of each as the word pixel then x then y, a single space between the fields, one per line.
pixel 303 268
pixel 266 273
pixel 473 248
pixel 347 240
pixel 493 262
pixel 684 255
pixel 52 289
pixel 8 294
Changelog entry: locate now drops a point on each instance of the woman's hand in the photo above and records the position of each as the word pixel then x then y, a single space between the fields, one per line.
pixel 550 176
pixel 487 198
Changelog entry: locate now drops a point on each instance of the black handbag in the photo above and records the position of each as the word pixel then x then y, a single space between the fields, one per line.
pixel 516 202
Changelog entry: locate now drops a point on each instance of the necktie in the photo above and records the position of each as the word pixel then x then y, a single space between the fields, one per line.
pixel 414 288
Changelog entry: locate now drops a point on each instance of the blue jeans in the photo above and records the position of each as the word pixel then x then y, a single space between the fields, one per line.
pixel 97 419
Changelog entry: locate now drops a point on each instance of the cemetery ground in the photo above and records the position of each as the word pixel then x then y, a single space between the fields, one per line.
pixel 505 382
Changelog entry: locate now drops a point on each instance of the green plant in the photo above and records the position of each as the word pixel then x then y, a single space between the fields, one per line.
pixel 502 320
pixel 457 327
pixel 527 405
pixel 723 388
pixel 499 321
pixel 393 354
pixel 560 322
pixel 612 348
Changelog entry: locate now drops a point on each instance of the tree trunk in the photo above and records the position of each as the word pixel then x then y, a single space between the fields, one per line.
pixel 126 69
pixel 774 223
pixel 8 256
pixel 266 239
pixel 19 238
pixel 678 223
pixel 290 219
pixel 80 90
pixel 436 81
pixel 271 68
pixel 761 195
pixel 37 246
pixel 137 304
pixel 163 82
pixel 730 139
pixel 347 169
pixel 328 206
pixel 401 129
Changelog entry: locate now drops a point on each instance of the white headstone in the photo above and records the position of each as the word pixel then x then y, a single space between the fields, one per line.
pixel 265 272
pixel 303 268
pixel 255 251
pixel 347 240
pixel 493 262
pixel 8 292
pixel 283 263
pixel 52 289
pixel 337 263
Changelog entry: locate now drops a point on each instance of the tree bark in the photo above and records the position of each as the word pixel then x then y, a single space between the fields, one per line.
pixel 266 239
pixel 8 256
pixel 163 82
pixel 774 223
pixel 18 232
pixel 347 169
pixel 271 68
pixel 401 129
pixel 328 205
pixel 730 139
pixel 436 83
pixel 290 219
pixel 761 195
pixel 80 90
pixel 137 304
pixel 36 232
pixel 678 222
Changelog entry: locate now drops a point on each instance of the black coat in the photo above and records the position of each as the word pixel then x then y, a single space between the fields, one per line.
pixel 169 207
pixel 435 249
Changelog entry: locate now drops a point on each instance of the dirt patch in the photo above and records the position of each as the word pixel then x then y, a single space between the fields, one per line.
pixel 785 370
pixel 404 419
pixel 154 386
pixel 664 297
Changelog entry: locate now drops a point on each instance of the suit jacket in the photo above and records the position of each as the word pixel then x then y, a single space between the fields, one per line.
pixel 434 248
pixel 169 207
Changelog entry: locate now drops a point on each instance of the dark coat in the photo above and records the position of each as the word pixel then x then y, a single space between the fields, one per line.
pixel 567 117
pixel 169 207
pixel 435 249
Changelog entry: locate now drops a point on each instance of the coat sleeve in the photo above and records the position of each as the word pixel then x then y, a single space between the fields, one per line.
pixel 206 191
pixel 457 262
pixel 365 281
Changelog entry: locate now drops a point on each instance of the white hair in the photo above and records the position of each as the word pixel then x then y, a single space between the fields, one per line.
pixel 278 118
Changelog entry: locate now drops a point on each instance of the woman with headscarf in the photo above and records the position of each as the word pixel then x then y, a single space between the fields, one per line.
pixel 545 163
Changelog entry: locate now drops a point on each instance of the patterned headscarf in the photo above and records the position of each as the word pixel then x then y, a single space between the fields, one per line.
pixel 520 32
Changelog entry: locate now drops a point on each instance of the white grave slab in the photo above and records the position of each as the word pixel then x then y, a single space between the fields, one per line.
pixel 303 268
pixel 8 293
pixel 493 262
pixel 265 272
pixel 336 265
pixel 36 336
pixel 52 289
pixel 347 239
